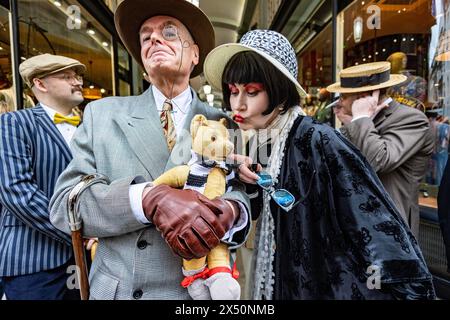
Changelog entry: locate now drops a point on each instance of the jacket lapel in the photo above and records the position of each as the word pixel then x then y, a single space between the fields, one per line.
pixel 142 129
pixel 43 120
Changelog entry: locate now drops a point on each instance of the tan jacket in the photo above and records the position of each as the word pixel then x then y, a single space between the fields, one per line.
pixel 397 143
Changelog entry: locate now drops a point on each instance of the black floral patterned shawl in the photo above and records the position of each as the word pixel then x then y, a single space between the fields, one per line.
pixel 344 224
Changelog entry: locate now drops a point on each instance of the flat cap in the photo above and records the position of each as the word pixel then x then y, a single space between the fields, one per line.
pixel 45 64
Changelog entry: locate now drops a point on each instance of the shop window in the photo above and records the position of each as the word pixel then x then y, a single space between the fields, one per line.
pixel 124 88
pixel 7 89
pixel 124 71
pixel 415 37
pixel 398 32
pixel 315 66
pixel 309 29
pixel 64 28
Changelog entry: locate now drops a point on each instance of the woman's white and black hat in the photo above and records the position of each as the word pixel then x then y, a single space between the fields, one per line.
pixel 271 45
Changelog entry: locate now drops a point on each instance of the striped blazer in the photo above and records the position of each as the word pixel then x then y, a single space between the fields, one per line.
pixel 33 153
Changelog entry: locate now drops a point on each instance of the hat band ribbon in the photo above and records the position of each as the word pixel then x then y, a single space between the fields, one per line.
pixel 372 80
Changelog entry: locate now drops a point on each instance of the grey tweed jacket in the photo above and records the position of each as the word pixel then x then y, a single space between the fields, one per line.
pixel 122 138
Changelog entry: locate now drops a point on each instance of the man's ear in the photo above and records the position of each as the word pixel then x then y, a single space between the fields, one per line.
pixel 198 121
pixel 196 57
pixel 39 85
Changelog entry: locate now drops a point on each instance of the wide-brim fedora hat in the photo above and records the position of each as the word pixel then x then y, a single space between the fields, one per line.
pixel 366 77
pixel 131 14
pixel 271 45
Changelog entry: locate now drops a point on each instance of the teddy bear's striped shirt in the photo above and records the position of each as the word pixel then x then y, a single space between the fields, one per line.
pixel 199 171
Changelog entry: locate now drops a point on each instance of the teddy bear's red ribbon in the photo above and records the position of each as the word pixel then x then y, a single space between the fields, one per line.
pixel 206 273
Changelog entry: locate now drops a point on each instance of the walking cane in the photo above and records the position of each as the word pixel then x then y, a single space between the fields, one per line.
pixel 76 228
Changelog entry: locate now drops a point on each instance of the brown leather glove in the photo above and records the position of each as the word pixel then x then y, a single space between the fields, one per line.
pixel 189 222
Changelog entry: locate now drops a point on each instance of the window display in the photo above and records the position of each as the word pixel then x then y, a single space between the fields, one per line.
pixel 312 20
pixel 315 61
pixel 7 91
pixel 66 28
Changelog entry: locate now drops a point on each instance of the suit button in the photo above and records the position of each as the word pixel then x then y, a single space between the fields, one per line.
pixel 142 244
pixel 137 294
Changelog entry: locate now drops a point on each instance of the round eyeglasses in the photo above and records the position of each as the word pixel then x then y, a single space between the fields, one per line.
pixel 70 78
pixel 170 32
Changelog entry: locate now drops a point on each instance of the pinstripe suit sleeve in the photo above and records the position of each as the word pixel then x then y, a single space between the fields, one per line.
pixel 19 191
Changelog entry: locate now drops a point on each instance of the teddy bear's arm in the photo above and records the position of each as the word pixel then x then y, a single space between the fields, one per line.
pixel 175 177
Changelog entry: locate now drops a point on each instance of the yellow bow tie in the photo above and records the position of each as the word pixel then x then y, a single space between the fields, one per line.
pixel 75 120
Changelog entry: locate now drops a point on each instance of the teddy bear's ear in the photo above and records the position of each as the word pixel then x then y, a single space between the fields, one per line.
pixel 224 122
pixel 197 121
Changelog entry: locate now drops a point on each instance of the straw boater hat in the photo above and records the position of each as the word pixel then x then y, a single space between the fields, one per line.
pixel 271 45
pixel 131 14
pixel 366 77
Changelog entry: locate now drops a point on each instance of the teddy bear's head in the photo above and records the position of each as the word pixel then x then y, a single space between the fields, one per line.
pixel 210 138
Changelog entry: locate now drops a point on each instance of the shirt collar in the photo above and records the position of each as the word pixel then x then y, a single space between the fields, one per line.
pixel 182 101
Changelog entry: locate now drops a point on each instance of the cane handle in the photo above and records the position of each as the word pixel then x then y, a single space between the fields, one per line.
pixel 75 221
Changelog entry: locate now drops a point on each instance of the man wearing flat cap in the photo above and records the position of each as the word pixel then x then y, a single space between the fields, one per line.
pixel 34 148
pixel 130 141
pixel 395 139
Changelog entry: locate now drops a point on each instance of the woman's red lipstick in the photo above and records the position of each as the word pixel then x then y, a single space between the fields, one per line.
pixel 237 118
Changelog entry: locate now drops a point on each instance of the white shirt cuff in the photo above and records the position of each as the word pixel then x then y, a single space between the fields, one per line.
pixel 135 193
pixel 239 225
pixel 360 117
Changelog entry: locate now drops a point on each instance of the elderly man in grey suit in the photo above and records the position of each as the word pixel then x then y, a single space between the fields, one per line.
pixel 143 230
pixel 395 139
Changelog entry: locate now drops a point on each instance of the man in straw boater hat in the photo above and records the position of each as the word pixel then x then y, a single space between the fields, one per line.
pixel 129 141
pixel 395 139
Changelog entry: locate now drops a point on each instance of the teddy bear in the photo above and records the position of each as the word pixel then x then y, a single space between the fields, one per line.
pixel 209 277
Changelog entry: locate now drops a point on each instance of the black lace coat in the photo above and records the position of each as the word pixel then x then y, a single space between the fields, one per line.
pixel 345 231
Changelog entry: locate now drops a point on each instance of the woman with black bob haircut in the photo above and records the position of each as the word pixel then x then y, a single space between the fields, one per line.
pixel 254 68
pixel 327 228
